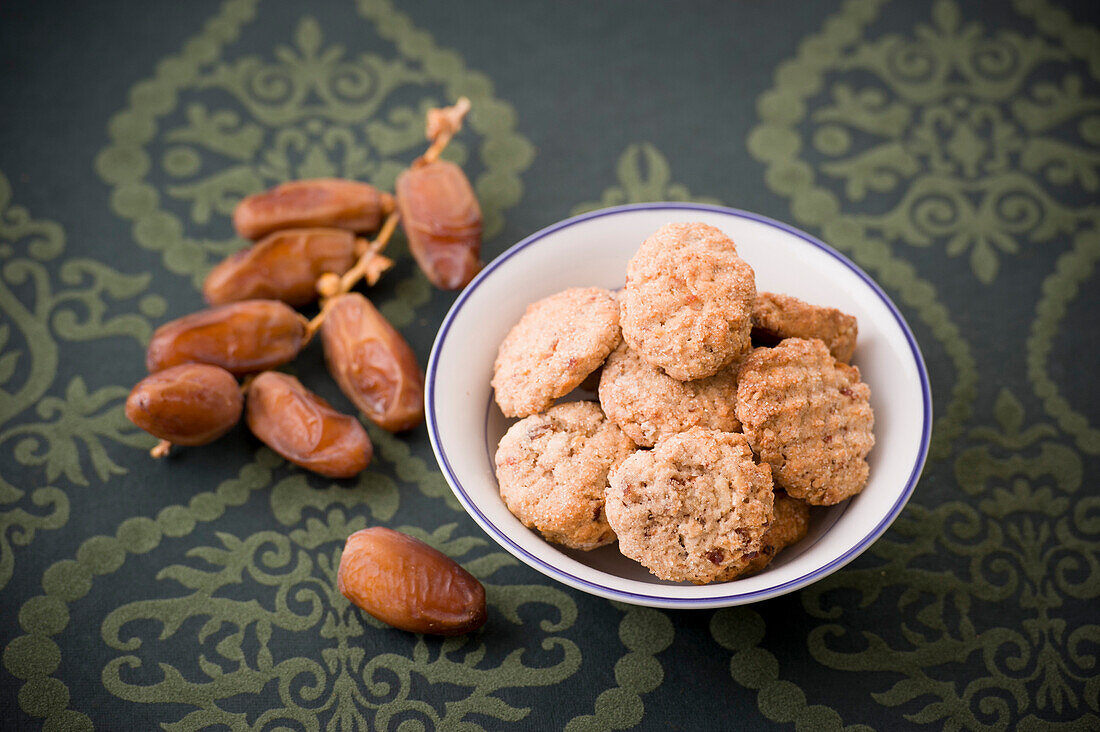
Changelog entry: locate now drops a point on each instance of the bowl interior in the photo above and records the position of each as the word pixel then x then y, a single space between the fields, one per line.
pixel 593 250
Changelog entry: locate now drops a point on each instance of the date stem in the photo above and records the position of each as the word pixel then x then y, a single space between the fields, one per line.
pixel 364 266
pixel 443 124
pixel 371 264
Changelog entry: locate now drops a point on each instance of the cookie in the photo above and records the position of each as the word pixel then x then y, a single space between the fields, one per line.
pixel 809 417
pixel 558 342
pixel 552 471
pixel 776 316
pixel 790 523
pixel 692 507
pixel 687 305
pixel 648 404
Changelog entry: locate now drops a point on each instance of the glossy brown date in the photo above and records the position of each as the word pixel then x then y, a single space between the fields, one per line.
pixel 304 428
pixel 283 266
pixel 372 363
pixel 192 404
pixel 442 221
pixel 331 202
pixel 404 582
pixel 241 337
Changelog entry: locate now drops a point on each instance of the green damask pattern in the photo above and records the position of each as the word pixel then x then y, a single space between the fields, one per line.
pixel 299 114
pixel 946 136
pixel 294 578
pixel 1073 270
pixel 1026 538
pixel 644 175
pixel 741 630
pixel 946 145
pixel 943 137
pixel 411 468
pixel 297 571
pixel 645 633
pixel 34 657
pixel 62 435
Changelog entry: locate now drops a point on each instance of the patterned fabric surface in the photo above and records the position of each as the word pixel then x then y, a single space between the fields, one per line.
pixel 950 147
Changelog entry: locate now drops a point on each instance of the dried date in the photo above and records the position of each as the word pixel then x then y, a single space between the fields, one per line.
pixel 331 202
pixel 372 363
pixel 191 404
pixel 241 337
pixel 283 266
pixel 304 428
pixel 404 582
pixel 442 221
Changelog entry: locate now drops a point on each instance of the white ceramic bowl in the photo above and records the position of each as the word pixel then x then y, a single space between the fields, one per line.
pixel 465 424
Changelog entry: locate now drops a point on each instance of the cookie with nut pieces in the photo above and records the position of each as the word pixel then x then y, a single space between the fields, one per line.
pixel 558 342
pixel 648 404
pixel 776 316
pixel 692 509
pixel 687 304
pixel 552 471
pixel 809 417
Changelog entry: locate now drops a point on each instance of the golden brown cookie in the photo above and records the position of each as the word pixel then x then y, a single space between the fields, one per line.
pixel 776 316
pixel 687 305
pixel 809 417
pixel 558 342
pixel 692 507
pixel 648 404
pixel 790 523
pixel 552 472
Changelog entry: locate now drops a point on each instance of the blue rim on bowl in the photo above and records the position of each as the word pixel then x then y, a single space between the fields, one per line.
pixel 734 597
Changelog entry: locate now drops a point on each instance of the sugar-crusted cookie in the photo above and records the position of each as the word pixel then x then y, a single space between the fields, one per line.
pixel 692 507
pixel 648 404
pixel 687 305
pixel 776 316
pixel 790 523
pixel 558 342
pixel 809 417
pixel 552 470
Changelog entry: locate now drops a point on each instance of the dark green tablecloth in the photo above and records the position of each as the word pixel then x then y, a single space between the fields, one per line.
pixel 951 148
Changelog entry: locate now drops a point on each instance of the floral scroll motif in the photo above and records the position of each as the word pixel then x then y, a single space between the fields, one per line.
pixel 980 140
pixel 216 130
pixel 347 681
pixel 1028 536
pixel 948 138
pixel 644 175
pixel 43 300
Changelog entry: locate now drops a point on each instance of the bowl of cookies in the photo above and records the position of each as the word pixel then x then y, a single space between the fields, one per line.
pixel 678 405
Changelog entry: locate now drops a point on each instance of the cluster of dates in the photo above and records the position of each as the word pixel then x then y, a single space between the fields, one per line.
pixel 307 248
